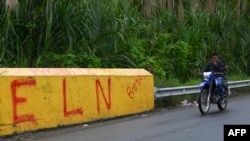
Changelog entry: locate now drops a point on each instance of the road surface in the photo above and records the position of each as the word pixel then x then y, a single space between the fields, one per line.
pixel 177 124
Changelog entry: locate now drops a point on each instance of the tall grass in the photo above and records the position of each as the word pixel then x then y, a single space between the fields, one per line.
pixel 116 34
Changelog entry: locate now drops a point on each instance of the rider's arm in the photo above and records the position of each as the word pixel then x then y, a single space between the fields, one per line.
pixel 225 65
pixel 221 67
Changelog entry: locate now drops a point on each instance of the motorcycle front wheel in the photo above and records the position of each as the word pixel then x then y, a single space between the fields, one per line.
pixel 204 101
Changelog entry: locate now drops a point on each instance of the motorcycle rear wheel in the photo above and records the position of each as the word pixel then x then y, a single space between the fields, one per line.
pixel 204 101
pixel 222 105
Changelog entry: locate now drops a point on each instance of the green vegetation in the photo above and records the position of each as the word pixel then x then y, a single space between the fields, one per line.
pixel 167 39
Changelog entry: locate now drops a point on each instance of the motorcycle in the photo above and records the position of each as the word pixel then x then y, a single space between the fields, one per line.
pixel 209 93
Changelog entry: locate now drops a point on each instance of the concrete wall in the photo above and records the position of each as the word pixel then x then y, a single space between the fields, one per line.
pixel 38 98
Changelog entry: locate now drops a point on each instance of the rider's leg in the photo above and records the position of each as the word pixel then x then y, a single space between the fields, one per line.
pixel 220 87
pixel 226 90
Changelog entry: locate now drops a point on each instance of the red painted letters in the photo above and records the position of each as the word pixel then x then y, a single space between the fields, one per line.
pixel 15 100
pixel 65 110
pixel 108 102
pixel 132 89
pixel 15 84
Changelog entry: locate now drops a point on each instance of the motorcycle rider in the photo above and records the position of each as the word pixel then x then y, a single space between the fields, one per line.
pixel 217 65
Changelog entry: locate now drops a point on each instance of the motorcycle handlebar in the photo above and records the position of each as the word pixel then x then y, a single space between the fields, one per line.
pixel 199 73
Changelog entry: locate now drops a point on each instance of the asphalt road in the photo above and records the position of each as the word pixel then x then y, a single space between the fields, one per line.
pixel 177 124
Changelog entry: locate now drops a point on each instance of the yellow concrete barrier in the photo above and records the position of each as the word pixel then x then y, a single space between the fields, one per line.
pixel 39 98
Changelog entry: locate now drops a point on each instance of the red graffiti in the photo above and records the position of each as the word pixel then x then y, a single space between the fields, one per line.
pixel 15 84
pixel 65 110
pixel 133 88
pixel 15 100
pixel 107 102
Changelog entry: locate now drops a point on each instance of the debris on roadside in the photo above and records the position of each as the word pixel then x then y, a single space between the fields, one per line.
pixel 85 125
pixel 187 103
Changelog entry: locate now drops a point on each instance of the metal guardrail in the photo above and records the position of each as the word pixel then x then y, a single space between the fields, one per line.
pixel 174 91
